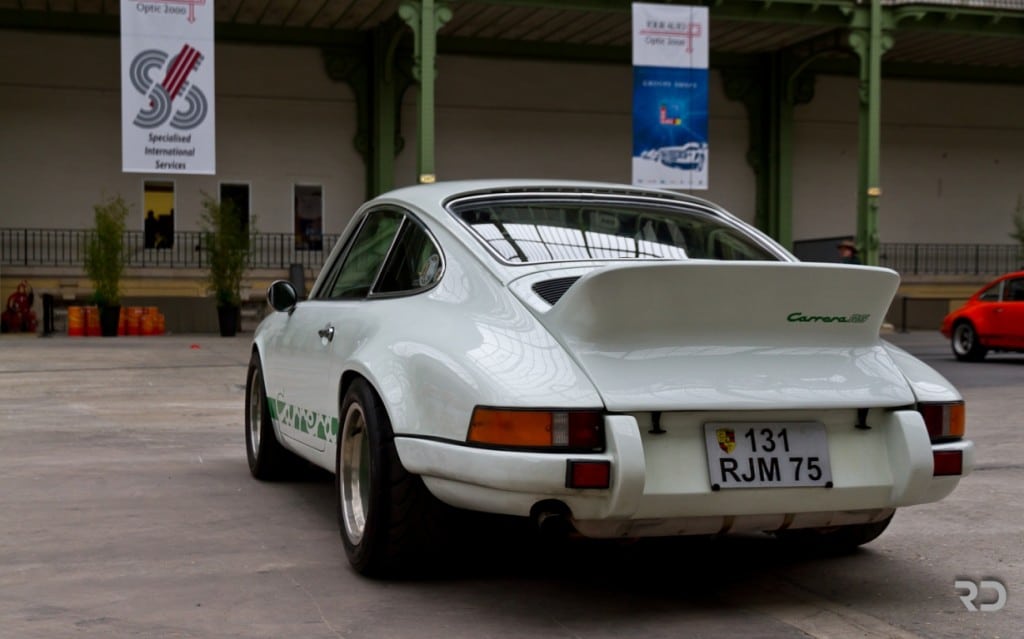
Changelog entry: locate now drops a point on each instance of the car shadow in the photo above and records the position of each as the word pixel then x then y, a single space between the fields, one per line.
pixel 511 551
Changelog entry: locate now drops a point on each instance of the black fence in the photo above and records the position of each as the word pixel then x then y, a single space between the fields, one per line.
pixel 951 259
pixel 60 247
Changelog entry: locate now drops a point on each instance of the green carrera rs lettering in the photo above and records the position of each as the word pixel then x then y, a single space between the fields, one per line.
pixel 856 318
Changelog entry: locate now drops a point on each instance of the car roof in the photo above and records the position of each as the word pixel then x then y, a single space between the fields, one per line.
pixel 430 202
pixel 431 199
pixel 996 280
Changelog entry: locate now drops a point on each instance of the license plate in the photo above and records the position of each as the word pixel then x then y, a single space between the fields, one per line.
pixel 767 455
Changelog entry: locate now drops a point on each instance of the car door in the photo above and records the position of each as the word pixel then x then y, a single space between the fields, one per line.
pixel 1008 315
pixel 307 402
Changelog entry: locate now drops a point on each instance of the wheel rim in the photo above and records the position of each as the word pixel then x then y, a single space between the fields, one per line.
pixel 255 412
pixel 354 491
pixel 963 339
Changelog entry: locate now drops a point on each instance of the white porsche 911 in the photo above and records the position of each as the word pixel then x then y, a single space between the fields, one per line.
pixel 628 362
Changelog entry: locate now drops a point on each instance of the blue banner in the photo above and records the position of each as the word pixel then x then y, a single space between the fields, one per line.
pixel 670 96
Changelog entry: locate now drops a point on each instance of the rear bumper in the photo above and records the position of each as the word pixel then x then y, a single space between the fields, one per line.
pixel 660 484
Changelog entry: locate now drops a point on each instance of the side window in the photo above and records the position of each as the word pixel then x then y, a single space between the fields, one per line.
pixel 991 294
pixel 1015 291
pixel 415 262
pixel 364 257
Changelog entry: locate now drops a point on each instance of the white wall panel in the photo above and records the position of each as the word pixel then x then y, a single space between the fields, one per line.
pixel 280 120
pixel 952 161
pixel 952 154
pixel 526 119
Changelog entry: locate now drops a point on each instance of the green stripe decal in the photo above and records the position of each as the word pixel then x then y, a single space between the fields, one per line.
pixel 291 417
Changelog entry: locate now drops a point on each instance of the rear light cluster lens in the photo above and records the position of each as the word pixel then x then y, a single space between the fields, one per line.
pixel 947 463
pixel 585 473
pixel 510 428
pixel 944 421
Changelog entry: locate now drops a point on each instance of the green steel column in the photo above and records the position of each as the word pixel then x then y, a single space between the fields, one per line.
pixel 868 40
pixel 770 92
pixel 384 111
pixel 425 17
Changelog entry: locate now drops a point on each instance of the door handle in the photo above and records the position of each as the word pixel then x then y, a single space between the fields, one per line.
pixel 326 333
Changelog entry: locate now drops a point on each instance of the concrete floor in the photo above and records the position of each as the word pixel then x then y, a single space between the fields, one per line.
pixel 127 510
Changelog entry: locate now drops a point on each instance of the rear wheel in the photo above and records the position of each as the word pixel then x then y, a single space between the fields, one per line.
pixel 835 539
pixel 267 458
pixel 966 344
pixel 389 521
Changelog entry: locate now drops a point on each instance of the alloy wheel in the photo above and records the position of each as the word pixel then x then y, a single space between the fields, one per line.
pixel 354 490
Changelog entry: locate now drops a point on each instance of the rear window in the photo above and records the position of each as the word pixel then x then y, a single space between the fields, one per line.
pixel 546 231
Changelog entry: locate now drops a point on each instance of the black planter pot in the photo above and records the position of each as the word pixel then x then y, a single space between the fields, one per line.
pixel 110 318
pixel 228 320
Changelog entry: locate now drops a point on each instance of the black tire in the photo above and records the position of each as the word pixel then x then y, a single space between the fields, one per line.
pixel 966 343
pixel 268 460
pixel 836 539
pixel 390 524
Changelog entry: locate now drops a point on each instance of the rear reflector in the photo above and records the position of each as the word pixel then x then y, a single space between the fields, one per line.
pixel 944 421
pixel 948 462
pixel 588 474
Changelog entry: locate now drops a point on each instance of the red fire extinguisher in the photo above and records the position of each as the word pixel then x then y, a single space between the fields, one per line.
pixel 18 316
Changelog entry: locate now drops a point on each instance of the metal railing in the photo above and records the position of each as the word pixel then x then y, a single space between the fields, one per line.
pixel 951 259
pixel 63 247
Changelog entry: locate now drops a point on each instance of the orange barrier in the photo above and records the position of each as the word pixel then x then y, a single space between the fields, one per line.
pixel 133 320
pixel 146 325
pixel 76 321
pixel 92 321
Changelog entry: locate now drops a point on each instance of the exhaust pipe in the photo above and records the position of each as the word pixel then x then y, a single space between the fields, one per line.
pixel 552 519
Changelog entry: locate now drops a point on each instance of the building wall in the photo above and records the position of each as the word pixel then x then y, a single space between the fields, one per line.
pixel 952 161
pixel 952 154
pixel 531 119
pixel 280 121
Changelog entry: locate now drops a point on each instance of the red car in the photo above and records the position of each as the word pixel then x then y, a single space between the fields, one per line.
pixel 993 319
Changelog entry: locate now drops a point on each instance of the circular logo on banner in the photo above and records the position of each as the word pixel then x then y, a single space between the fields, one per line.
pixel 175 100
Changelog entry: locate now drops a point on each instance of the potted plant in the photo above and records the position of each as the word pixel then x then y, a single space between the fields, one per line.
pixel 104 261
pixel 227 248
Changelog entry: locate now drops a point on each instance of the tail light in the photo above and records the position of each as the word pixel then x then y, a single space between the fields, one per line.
pixel 538 429
pixel 945 421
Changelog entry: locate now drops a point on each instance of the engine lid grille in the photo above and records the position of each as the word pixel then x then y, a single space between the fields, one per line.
pixel 552 290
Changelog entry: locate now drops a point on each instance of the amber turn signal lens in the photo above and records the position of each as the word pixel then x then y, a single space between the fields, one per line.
pixel 944 421
pixel 578 430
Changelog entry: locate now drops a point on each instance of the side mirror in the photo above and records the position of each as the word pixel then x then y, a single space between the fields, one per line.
pixel 282 296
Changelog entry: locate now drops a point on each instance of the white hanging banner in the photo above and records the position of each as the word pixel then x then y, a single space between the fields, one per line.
pixel 167 114
pixel 670 96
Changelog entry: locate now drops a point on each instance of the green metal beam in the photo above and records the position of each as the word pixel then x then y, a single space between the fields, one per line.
pixel 794 11
pixel 379 76
pixel 959 20
pixel 425 18
pixel 869 44
pixel 223 31
pixel 388 82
